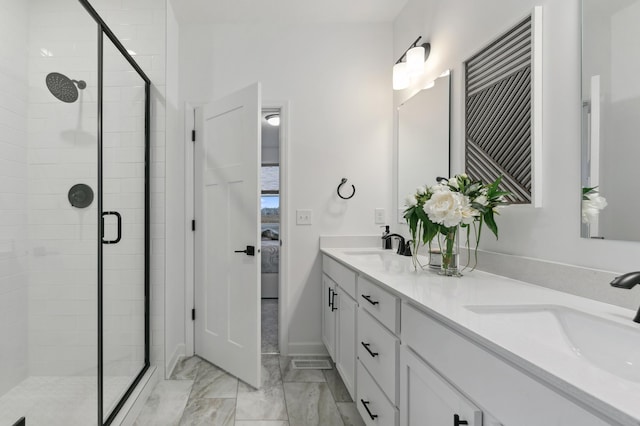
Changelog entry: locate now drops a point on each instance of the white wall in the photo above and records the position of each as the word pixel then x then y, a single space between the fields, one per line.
pixel 337 78
pixel 456 29
pixel 175 233
pixel 13 193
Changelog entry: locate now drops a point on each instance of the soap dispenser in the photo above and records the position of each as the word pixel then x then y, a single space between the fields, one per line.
pixel 386 242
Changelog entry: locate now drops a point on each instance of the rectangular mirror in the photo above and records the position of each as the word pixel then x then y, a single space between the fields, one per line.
pixel 423 139
pixel 610 118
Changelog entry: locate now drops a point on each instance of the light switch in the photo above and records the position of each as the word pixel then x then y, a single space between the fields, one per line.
pixel 380 216
pixel 303 217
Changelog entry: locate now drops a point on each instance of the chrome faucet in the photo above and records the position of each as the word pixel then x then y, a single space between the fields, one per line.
pixel 628 281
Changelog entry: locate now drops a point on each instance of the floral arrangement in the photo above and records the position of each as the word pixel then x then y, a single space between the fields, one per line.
pixel 442 208
pixel 592 203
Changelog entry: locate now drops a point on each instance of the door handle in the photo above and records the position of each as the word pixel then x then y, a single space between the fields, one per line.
pixel 458 422
pixel 119 222
pixel 249 251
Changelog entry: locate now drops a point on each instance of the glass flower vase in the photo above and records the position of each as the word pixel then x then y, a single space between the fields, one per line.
pixel 450 248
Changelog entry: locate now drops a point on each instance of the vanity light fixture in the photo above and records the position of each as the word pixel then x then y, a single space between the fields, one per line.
pixel 413 67
pixel 401 78
pixel 273 119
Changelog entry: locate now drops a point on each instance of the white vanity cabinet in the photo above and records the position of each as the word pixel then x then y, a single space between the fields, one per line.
pixel 339 310
pixel 512 396
pixel 408 365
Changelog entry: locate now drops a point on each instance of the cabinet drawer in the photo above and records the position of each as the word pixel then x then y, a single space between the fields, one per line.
pixel 378 351
pixel 343 276
pixel 379 303
pixel 373 406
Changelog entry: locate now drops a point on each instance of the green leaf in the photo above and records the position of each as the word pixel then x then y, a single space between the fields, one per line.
pixel 430 230
pixel 490 222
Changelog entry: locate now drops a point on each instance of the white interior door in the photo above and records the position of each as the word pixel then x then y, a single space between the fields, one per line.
pixel 227 204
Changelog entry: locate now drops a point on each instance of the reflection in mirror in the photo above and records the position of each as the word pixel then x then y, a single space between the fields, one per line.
pixel 610 118
pixel 423 139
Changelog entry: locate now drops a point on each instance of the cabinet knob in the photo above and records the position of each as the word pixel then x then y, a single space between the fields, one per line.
pixel 458 422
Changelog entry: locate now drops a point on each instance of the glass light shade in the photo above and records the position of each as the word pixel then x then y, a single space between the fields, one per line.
pixel 415 61
pixel 400 76
pixel 274 119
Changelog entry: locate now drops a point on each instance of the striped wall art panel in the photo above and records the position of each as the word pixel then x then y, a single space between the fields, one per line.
pixel 498 113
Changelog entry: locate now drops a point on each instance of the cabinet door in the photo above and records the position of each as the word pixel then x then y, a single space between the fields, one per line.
pixel 428 400
pixel 329 315
pixel 346 339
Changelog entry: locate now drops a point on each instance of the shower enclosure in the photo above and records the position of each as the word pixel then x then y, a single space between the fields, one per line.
pixel 74 216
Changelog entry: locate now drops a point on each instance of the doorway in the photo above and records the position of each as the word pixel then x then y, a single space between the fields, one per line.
pixel 270 227
pixel 276 154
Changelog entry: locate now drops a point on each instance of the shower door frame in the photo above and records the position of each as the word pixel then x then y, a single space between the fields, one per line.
pixel 104 30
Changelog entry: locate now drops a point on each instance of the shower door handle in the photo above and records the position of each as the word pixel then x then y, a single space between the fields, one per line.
pixel 119 222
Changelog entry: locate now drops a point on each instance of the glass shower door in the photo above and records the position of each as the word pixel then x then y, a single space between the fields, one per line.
pixel 123 215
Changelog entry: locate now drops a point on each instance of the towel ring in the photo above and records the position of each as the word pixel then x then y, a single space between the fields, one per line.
pixel 342 182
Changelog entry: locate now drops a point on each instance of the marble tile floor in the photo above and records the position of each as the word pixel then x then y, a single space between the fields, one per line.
pixel 269 315
pixel 199 393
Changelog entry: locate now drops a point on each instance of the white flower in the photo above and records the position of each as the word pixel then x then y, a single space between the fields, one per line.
pixel 440 187
pixel 463 175
pixel 453 182
pixel 468 213
pixel 411 201
pixel 591 206
pixel 421 190
pixel 482 200
pixel 445 207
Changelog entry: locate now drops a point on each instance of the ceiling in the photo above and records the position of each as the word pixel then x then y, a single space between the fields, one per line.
pixel 281 11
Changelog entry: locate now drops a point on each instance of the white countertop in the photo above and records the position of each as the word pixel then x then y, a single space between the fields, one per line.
pixel 539 347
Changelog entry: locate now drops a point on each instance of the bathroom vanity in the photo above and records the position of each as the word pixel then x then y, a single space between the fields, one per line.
pixel 415 348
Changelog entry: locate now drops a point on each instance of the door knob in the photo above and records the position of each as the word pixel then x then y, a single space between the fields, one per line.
pixel 249 251
pixel 458 422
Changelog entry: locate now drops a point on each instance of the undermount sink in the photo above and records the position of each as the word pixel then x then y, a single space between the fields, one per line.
pixel 606 344
pixel 372 254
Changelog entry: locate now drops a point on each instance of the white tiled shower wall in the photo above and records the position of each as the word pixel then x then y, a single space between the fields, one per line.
pixel 62 152
pixel 47 248
pixel 13 190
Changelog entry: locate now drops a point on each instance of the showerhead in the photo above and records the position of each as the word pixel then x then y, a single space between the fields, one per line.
pixel 63 88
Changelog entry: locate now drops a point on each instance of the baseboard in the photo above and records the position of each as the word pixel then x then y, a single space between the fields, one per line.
pixel 307 348
pixel 178 353
pixel 134 405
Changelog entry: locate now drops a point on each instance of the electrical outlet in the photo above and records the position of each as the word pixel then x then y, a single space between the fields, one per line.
pixel 379 216
pixel 303 217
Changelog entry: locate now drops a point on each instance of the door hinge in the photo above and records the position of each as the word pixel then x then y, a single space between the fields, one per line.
pixel 193 136
pixel 193 314
pixel 193 225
